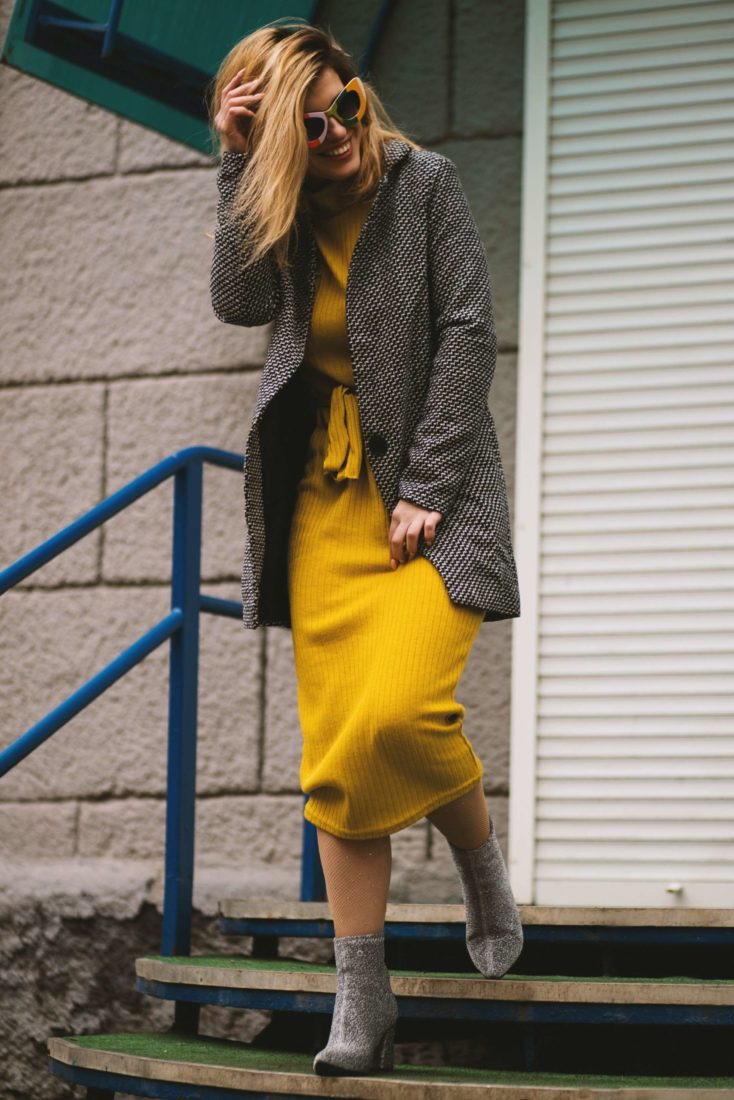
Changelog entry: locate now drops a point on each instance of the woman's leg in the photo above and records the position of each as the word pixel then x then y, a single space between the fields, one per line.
pixel 357 874
pixel 361 1037
pixel 465 821
pixel 494 935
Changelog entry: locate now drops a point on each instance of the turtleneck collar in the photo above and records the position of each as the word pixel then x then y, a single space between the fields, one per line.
pixel 330 197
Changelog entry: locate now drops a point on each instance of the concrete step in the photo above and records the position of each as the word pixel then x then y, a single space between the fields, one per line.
pixel 216 1069
pixel 288 985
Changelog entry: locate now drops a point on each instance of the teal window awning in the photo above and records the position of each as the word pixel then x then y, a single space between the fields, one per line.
pixel 149 62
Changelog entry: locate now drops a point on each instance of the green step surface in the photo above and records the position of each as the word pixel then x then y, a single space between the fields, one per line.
pixel 187 1060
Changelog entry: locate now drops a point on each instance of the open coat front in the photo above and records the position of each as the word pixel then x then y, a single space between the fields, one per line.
pixel 423 345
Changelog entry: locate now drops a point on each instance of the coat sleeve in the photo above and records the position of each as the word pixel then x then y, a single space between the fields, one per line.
pixel 239 297
pixel 465 350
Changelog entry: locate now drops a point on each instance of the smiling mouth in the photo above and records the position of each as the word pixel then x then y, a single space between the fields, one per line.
pixel 340 151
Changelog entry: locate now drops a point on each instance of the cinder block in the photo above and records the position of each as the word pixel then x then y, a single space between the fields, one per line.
pixel 118 743
pixel 230 830
pixel 151 419
pixel 129 828
pixel 230 686
pixel 410 846
pixel 47 133
pixel 37 830
pixel 260 829
pixel 117 270
pixel 411 70
pixel 49 479
pixel 141 149
pixel 489 66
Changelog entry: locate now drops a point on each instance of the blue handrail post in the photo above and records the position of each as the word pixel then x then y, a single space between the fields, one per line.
pixel 313 884
pixel 182 707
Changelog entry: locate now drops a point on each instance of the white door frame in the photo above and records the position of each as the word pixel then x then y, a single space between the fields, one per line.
pixel 529 413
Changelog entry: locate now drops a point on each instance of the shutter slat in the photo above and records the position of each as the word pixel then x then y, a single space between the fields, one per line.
pixel 655 815
pixel 674 830
pixel 613 747
pixel 639 870
pixel 629 664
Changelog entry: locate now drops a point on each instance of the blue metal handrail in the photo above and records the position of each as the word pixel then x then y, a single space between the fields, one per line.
pixel 181 625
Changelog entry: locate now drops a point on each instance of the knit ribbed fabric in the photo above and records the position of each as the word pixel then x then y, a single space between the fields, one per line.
pixel 378 652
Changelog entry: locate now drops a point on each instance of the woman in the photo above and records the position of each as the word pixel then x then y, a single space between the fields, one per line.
pixel 375 500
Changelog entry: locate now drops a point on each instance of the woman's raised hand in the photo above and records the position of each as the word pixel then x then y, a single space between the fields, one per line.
pixel 237 100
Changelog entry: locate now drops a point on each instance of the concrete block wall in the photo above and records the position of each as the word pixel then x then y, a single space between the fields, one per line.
pixel 113 359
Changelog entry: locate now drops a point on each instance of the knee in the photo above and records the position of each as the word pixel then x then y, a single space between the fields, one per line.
pixel 395 715
pixel 392 713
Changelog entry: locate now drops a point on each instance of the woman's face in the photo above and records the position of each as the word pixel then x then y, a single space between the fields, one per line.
pixel 320 165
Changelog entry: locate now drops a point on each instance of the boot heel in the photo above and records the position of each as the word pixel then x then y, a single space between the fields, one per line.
pixel 386 1055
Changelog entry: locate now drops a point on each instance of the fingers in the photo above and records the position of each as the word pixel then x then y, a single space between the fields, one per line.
pixel 404 540
pixel 235 82
pixel 429 527
pixel 406 530
pixel 238 100
pixel 240 97
pixel 396 540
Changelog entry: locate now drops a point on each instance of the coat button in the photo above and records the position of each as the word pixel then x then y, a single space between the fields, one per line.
pixel 377 443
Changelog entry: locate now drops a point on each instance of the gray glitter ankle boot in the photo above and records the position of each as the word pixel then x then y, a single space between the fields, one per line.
pixel 494 936
pixel 365 1009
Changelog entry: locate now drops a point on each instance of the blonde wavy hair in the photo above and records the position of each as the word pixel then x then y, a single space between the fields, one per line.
pixel 291 55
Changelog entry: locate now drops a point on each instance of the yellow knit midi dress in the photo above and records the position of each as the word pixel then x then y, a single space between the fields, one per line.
pixel 378 652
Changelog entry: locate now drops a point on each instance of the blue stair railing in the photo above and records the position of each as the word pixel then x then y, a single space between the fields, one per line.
pixel 181 626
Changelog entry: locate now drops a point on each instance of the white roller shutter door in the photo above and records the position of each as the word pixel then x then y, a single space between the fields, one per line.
pixel 622 773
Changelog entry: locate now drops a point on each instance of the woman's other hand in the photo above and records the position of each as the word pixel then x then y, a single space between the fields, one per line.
pixel 238 101
pixel 408 520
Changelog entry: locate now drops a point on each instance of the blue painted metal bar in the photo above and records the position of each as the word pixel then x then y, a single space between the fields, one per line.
pixel 25 744
pixel 46 20
pixel 113 19
pixel 109 507
pixel 181 626
pixel 215 605
pixel 112 1083
pixel 313 884
pixel 108 29
pixel 456 930
pixel 182 712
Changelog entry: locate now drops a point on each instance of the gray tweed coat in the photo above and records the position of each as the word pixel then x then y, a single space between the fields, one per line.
pixel 421 333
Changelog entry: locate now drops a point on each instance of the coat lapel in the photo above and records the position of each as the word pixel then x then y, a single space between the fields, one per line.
pixel 276 374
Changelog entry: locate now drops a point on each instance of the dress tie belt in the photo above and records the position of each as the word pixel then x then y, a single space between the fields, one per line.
pixel 344 451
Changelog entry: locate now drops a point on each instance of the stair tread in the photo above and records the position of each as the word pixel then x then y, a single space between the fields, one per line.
pixel 227 1063
pixel 243 971
pixel 419 913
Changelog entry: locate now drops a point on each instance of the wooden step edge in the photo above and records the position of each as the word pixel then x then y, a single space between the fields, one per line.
pixel 632 991
pixel 415 913
pixel 406 1082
